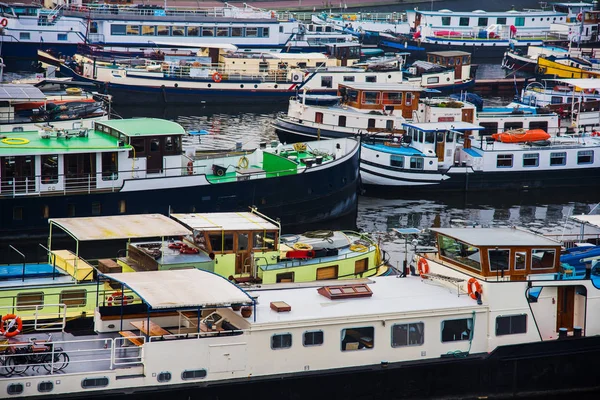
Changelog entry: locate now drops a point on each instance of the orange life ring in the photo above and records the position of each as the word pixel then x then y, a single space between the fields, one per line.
pixel 423 266
pixel 4 22
pixel 12 319
pixel 579 17
pixel 217 77
pixel 273 15
pixel 190 168
pixel 116 297
pixel 477 288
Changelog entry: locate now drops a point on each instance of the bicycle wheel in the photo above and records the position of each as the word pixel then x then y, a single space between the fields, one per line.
pixel 19 364
pixel 5 368
pixel 61 360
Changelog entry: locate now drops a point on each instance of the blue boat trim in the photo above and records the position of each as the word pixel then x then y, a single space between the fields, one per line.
pixel 472 152
pixel 406 151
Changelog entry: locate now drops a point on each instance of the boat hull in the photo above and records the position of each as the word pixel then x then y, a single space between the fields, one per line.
pixel 478 49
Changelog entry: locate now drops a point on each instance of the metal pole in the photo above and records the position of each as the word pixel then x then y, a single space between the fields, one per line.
pixel 22 255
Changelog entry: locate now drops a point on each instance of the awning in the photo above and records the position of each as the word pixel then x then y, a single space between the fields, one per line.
pixel 16 92
pixel 435 126
pixel 583 84
pixel 185 288
pixel 229 221
pixel 592 220
pixel 120 227
pixel 194 45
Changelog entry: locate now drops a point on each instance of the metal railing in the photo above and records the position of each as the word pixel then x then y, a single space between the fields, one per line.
pixel 46 317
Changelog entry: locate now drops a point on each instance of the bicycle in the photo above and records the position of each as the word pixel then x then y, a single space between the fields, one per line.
pixel 18 359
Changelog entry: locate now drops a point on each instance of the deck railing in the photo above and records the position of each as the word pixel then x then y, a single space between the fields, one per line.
pixel 45 317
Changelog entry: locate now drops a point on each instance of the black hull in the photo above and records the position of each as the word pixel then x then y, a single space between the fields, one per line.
pixel 477 51
pixel 530 370
pixel 289 132
pixel 298 200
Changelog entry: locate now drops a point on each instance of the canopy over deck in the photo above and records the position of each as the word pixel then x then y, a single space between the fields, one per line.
pixel 444 126
pixel 592 220
pixel 583 84
pixel 496 237
pixel 120 227
pixel 231 221
pixel 185 288
pixel 15 93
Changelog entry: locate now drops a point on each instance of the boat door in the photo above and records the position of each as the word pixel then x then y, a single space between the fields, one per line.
pixel 80 170
pixel 154 161
pixel 440 145
pixel 519 267
pixel 243 254
pixel 468 114
pixel 17 173
pixel 565 307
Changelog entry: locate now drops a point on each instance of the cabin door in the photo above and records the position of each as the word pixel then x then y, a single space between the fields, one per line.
pixel 565 307
pixel 440 146
pixel 17 174
pixel 154 163
pixel 80 171
pixel 467 115
pixel 243 254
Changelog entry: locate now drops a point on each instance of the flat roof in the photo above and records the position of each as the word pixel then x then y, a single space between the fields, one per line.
pixel 496 237
pixel 593 220
pixel 437 126
pixel 182 288
pixel 144 126
pixel 582 83
pixel 120 227
pixel 230 221
pixel 383 86
pixel 19 92
pixel 201 45
pixel 449 53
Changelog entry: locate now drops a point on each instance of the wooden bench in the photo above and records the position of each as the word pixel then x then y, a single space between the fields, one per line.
pixel 132 337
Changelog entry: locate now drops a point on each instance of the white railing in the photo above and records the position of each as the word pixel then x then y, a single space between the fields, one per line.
pixel 46 317
pixel 123 352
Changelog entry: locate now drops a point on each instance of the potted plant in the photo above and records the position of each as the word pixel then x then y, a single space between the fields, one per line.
pixel 246 311
pixel 236 307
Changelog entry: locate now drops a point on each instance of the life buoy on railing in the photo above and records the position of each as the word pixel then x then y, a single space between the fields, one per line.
pixel 4 22
pixel 579 17
pixel 243 162
pixel 190 168
pixel 217 77
pixel 118 298
pixel 8 323
pixel 474 282
pixel 423 266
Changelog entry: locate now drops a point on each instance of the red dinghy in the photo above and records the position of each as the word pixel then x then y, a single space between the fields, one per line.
pixel 521 136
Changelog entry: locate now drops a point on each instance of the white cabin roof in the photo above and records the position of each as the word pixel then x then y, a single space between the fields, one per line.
pixel 393 87
pixel 120 227
pixel 496 237
pixel 441 126
pixel 593 220
pixel 182 288
pixel 231 221
pixel 582 83
pixel 195 45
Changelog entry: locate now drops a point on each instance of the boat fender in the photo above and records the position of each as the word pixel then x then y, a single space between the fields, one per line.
pixel 477 285
pixel 185 249
pixel 596 133
pixel 302 246
pixel 8 323
pixel 190 168
pixel 217 77
pixel 175 245
pixel 361 248
pixel 423 266
pixel 243 162
pixel 4 22
pixel 116 297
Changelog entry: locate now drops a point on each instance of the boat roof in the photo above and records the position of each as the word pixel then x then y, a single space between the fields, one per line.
pixel 383 86
pixel 496 237
pixel 593 220
pixel 194 45
pixel 437 126
pixel 476 13
pixel 120 227
pixel 449 53
pixel 144 126
pixel 401 151
pixel 293 56
pixel 231 221
pixel 184 288
pixel 581 83
pixel 20 92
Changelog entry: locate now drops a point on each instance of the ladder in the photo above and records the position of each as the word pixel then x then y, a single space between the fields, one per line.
pixel 455 282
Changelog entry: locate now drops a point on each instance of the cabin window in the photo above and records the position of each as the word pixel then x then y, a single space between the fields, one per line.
pixel 96 208
pixel 371 123
pixel 519 21
pixel 420 136
pixel 460 252
pixel 49 169
pixel 122 207
pixel 433 79
pixel 499 260
pixel 312 338
pixel 172 145
pixel 389 124
pixel 265 32
pixel 370 97
pixel 251 32
pixel 264 240
pixel 325 273
pixel 352 95
pixel 531 160
pixel 110 170
pixel 15 388
pixel 139 147
pixel 559 158
pixel 284 277
pixel 449 137
pixel 361 266
pixel 163 30
pixel 539 125
pixel 445 21
pixel 178 31
pixel 236 32
pixel 466 60
pixel 542 258
pixel 454 330
pixel 482 21
pixel 45 387
pixel 327 81
pixel 222 32
pixel 164 377
pixel 208 31
pixel 429 137
pixel 501 21
pixel 416 163
pixel 117 29
pixel 409 99
pixel 73 298
pixel 512 125
pixel 392 98
pixel 342 121
pixel 319 117
pixel 283 341
pixel 242 242
pixel 397 161
pixel 61 37
pixel 133 30
pixel 463 21
pixel 585 157
pixel 520 259
pixel 504 160
pixel 556 100
pixel 358 338
pixel 439 137
pixel 408 334
pixel 511 324
pixel 348 79
pixel 148 30
pixel 371 79
pixel 45 211
pixel 193 374
pixel 29 301
pixel 221 242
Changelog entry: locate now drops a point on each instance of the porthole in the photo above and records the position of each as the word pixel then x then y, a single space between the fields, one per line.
pixel 276 86
pixel 89 383
pixel 389 76
pixel 255 86
pixel 210 85
pixel 164 377
pixel 376 155
pixel 45 387
pixel 430 162
pixel 242 86
pixel 194 374
pixel 176 85
pixel 15 388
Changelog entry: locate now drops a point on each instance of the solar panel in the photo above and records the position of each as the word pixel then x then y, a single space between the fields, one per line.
pixel 14 92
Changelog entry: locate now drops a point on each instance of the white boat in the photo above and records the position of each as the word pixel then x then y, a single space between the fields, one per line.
pixel 481 298
pixel 393 23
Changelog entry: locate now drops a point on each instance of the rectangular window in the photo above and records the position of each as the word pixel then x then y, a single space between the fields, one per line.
pixel 284 277
pixel 222 32
pixel 558 158
pixel 449 137
pixel 178 31
pixel 116 29
pixel 542 258
pixel 460 252
pixel 242 242
pixel 370 97
pixel 511 324
pixel 392 98
pixel 221 242
pixel 251 32
pixel 519 21
pixel 208 31
pixel 389 124
pixel 236 32
pixel 433 79
pixel 342 121
pixel 319 117
pixel 512 125
pixel 358 338
pixel 446 21
pixel 543 125
pixel 585 157
pixel 416 163
pixel 193 31
pixel 531 160
pixel 61 37
pixel 110 170
pixel 24 36
pixel 163 30
pixel 313 338
pixel 556 100
pixel 499 260
pixel 504 160
pixel 28 301
pixel 409 99
pixel 520 259
pixel 283 341
pixel 195 374
pixel 371 123
pixel 397 161
pixel 327 81
pixel 501 21
pixel 463 21
pixel 361 266
pixel 133 30
pixel 429 137
pixel 325 273
pixel 264 240
pixel 265 32
pixel 408 334
pixel 348 79
pixel 457 329
pixel 148 30
pixel 371 79
pixel 73 298
pixel 482 21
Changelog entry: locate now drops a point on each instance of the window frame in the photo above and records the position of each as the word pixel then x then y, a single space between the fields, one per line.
pixel 537 160
pixel 456 340
pixel 27 307
pixel 490 259
pixel 510 324
pixel 555 155
pixel 313 344
pixel 501 158
pixel 282 347
pixel 589 153
pixel 408 344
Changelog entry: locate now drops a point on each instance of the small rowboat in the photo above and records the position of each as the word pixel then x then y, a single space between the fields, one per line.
pixel 521 136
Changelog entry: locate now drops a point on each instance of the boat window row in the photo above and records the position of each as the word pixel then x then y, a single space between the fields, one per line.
pixel 414 162
pixel 403 335
pixel 191 31
pixel 584 157
pixel 71 298
pixel 487 21
pixel 96 209
pixel 493 127
pixel 430 137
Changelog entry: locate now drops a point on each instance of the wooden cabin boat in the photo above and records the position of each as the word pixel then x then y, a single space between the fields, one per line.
pixel 138 165
pixel 446 71
pixel 484 296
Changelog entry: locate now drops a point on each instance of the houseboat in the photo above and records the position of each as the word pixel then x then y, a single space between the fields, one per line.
pixel 137 166
pixel 443 156
pixel 486 295
pixel 446 71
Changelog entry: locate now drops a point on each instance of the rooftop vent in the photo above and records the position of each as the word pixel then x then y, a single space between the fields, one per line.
pixel 345 291
pixel 280 306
